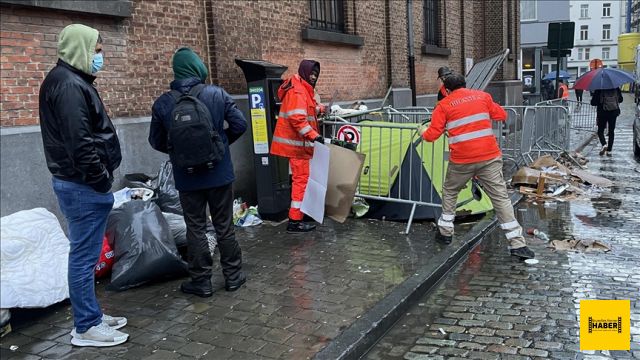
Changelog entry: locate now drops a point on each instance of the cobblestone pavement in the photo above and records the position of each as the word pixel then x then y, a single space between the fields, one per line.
pixel 491 307
pixel 302 291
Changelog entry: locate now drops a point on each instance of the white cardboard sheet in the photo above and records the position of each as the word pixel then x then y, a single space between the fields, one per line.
pixel 314 195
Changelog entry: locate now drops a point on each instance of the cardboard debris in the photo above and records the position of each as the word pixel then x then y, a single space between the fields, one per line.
pixel 591 179
pixel 585 245
pixel 548 179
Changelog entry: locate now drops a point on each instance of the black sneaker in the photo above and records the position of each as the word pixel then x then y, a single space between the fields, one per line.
pixel 299 227
pixel 608 153
pixel 523 253
pixel 443 239
pixel 200 288
pixel 235 285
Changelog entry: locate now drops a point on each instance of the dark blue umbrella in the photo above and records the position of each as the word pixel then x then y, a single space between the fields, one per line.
pixel 603 78
pixel 552 75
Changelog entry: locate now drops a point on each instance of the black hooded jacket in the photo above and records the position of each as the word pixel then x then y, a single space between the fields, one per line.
pixel 80 142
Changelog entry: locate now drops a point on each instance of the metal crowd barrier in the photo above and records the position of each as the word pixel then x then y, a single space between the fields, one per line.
pixel 582 117
pixel 528 132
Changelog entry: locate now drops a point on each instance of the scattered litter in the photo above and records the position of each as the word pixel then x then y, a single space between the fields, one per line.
pixel 442 331
pixel 244 215
pixel 13 347
pixel 531 261
pixel 359 207
pixel 562 180
pixel 539 234
pixel 585 245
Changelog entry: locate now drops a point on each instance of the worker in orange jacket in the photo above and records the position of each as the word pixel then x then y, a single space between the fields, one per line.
pixel 295 134
pixel 466 116
pixel 563 91
pixel 443 72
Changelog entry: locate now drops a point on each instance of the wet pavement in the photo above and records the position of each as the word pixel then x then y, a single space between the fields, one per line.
pixel 302 292
pixel 491 307
pixel 305 292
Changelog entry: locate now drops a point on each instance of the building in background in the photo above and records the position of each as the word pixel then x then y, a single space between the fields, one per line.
pixel 362 47
pixel 635 16
pixel 535 16
pixel 598 24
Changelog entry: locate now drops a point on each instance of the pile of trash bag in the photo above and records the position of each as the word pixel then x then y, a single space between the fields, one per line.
pixel 143 245
pixel 244 215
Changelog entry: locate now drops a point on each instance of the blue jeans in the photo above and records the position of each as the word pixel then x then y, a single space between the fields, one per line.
pixel 86 212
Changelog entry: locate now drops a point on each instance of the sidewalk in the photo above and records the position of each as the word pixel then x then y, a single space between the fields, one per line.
pixel 338 288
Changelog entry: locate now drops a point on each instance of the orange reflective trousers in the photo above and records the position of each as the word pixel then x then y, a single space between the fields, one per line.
pixel 300 177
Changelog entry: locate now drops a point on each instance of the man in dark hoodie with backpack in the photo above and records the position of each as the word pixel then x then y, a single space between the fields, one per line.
pixel 608 109
pixel 188 124
pixel 295 134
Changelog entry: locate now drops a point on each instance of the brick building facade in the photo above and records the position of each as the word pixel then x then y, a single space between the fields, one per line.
pixel 360 61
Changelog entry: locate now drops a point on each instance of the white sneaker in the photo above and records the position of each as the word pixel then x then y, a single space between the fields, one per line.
pixel 101 335
pixel 115 322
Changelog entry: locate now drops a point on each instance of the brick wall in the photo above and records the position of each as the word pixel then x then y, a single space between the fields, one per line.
pixel 138 49
pixel 137 54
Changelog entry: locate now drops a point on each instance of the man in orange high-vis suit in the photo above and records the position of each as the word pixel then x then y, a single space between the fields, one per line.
pixel 295 133
pixel 466 116
pixel 443 72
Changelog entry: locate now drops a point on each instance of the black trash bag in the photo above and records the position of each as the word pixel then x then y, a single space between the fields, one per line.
pixel 178 228
pixel 143 246
pixel 139 180
pixel 168 198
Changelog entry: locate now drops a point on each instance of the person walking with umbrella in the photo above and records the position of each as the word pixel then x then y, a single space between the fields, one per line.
pixel 607 102
pixel 604 84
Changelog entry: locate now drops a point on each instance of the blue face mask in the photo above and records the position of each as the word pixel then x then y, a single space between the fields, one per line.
pixel 96 64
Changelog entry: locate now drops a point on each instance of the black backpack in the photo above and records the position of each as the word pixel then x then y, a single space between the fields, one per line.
pixel 609 100
pixel 194 144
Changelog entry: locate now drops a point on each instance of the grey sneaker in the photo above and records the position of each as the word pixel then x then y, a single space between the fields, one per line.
pixel 101 335
pixel 114 322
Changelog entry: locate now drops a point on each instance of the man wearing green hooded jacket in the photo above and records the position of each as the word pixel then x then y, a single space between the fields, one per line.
pixel 208 186
pixel 82 151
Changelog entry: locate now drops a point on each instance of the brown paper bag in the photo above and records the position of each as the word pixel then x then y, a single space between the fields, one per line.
pixel 344 173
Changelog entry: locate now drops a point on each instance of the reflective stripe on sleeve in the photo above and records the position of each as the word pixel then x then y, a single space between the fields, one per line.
pixel 292 112
pixel 296 204
pixel 467 120
pixel 291 142
pixel 305 130
pixel 470 136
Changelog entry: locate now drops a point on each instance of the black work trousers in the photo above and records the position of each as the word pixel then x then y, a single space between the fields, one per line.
pixel 606 121
pixel 194 205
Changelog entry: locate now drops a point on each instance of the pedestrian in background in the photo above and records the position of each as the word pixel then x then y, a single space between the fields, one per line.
pixel 443 72
pixel 466 116
pixel 295 134
pixel 82 151
pixel 608 109
pixel 209 183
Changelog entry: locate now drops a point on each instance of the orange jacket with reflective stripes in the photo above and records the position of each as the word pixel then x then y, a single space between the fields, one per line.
pixel 297 124
pixel 563 92
pixel 466 116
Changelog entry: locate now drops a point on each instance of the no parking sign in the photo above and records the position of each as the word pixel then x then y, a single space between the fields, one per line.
pixel 349 133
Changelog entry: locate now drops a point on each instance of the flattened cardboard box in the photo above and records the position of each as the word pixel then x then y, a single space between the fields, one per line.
pixel 344 173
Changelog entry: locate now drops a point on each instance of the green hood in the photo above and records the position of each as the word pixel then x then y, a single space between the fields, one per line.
pixel 187 64
pixel 77 45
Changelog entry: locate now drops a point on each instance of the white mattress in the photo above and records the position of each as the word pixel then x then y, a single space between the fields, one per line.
pixel 33 263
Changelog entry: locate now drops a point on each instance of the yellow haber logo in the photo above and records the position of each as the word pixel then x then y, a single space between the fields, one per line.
pixel 605 324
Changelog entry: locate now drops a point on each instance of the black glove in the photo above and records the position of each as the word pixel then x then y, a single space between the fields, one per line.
pixel 319 139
